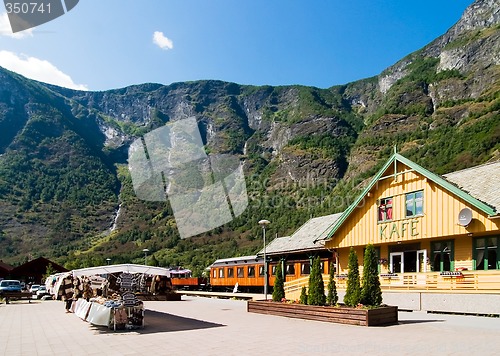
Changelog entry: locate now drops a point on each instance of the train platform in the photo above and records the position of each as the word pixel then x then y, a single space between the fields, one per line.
pixel 210 326
pixel 224 295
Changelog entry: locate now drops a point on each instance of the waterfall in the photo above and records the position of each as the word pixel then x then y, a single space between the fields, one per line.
pixel 115 221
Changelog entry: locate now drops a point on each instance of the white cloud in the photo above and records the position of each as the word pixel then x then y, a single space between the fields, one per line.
pixel 162 41
pixel 37 69
pixel 6 30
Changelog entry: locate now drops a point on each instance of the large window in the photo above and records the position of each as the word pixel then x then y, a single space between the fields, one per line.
pixel 239 272
pixel 215 273
pixel 486 252
pixel 230 272
pixel 442 256
pixel 385 209
pixel 290 268
pixel 251 271
pixel 261 270
pixel 221 272
pixel 415 204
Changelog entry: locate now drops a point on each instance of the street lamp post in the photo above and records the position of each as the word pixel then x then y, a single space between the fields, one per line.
pixel 108 260
pixel 145 256
pixel 264 223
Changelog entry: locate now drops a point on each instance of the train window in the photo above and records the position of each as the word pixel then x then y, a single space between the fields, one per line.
pixel 230 272
pixel 221 272
pixel 215 273
pixel 290 268
pixel 273 270
pixel 261 270
pixel 305 268
pixel 251 271
pixel 239 272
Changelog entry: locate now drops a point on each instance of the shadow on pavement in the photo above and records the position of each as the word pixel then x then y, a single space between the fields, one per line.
pixel 402 322
pixel 159 322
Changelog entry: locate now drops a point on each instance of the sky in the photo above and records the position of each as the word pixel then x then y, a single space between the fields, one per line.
pixel 108 44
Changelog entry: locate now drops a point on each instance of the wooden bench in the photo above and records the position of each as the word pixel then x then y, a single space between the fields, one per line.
pixel 16 295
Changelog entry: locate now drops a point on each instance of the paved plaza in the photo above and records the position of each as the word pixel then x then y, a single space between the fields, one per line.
pixel 205 326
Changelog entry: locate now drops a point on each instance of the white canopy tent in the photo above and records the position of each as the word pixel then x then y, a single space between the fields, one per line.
pixel 127 267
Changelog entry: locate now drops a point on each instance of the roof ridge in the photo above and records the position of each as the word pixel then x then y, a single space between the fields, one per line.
pixel 470 168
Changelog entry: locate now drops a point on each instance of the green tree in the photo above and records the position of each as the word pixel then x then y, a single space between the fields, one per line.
pixel 316 286
pixel 49 271
pixel 353 292
pixel 332 297
pixel 153 261
pixel 371 294
pixel 303 296
pixel 278 288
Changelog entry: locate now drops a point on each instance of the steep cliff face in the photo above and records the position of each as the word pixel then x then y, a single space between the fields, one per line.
pixel 63 153
pixel 452 83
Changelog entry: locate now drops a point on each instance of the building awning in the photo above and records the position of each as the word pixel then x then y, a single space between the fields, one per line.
pixel 127 268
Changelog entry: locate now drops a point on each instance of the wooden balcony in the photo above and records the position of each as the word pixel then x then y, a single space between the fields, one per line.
pixel 482 282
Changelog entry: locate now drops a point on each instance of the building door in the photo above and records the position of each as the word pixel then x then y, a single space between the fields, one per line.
pixel 421 261
pixel 397 262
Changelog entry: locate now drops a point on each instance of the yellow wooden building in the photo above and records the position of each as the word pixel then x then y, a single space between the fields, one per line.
pixel 436 236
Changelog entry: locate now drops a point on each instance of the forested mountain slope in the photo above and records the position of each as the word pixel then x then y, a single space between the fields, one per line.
pixel 66 193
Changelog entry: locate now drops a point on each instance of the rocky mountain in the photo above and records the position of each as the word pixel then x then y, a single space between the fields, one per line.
pixel 66 193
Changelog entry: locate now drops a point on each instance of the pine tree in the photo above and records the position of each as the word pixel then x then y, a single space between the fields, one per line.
pixel 353 292
pixel 303 296
pixel 278 288
pixel 316 286
pixel 371 294
pixel 332 297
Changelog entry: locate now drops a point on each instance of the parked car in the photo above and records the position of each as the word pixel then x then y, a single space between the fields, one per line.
pixel 34 288
pixel 10 285
pixel 42 291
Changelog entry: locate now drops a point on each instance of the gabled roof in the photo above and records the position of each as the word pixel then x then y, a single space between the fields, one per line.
pixel 482 182
pixel 443 183
pixel 304 238
pixel 37 265
pixel 4 266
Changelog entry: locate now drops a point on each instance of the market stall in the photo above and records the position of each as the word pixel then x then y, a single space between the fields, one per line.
pixel 107 295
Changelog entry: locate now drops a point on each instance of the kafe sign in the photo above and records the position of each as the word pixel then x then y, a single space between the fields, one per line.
pixel 399 229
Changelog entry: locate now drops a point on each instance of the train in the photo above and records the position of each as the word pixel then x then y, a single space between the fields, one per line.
pixel 246 274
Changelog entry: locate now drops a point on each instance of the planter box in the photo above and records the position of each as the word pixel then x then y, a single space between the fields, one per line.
pixel 343 315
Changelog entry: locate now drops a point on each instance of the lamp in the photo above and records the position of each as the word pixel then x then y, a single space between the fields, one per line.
pixel 108 260
pixel 264 223
pixel 145 256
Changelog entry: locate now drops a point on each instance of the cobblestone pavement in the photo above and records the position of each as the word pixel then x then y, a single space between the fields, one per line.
pixel 204 326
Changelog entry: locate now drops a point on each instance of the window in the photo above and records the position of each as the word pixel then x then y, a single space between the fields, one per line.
pixel 415 204
pixel 215 273
pixel 486 253
pixel 273 270
pixel 305 268
pixel 261 270
pixel 442 256
pixel 230 272
pixel 239 272
pixel 251 271
pixel 221 272
pixel 385 209
pixel 290 268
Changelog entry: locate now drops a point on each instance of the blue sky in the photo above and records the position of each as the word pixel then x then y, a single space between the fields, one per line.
pixel 107 44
